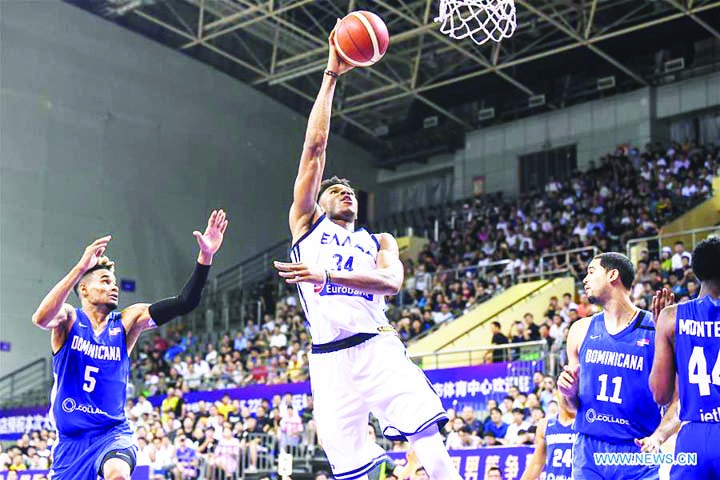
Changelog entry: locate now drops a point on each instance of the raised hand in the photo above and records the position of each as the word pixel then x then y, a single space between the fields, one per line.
pixel 335 62
pixel 93 252
pixel 568 381
pixel 299 272
pixel 211 240
pixel 662 298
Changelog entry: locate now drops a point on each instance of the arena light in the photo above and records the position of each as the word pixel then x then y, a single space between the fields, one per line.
pixel 675 65
pixel 429 122
pixel 486 114
pixel 536 100
pixel 381 130
pixel 606 83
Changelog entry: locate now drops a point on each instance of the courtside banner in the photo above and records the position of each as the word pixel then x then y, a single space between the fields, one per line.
pixel 457 387
pixel 14 423
pixel 473 464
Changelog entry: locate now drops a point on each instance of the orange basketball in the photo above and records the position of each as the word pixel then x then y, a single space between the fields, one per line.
pixel 361 38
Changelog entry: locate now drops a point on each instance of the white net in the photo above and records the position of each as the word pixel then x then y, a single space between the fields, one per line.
pixel 481 20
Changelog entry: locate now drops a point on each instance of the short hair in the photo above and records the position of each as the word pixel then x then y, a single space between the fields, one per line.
pixel 706 260
pixel 494 469
pixel 496 409
pixel 104 263
pixel 496 324
pixel 334 180
pixel 518 410
pixel 621 263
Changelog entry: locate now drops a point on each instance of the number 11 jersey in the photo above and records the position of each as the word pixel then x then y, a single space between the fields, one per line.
pixel 333 311
pixel 616 404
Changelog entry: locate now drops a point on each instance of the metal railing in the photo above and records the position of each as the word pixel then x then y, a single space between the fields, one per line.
pixel 533 351
pixel 696 236
pixel 255 455
pixel 479 271
pixel 570 264
pixel 26 386
pixel 252 270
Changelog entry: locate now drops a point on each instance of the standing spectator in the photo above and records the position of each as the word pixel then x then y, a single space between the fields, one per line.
pixel 498 339
pixel 532 331
pixel 291 428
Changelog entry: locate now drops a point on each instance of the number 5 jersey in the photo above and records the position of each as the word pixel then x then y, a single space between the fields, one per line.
pixel 91 374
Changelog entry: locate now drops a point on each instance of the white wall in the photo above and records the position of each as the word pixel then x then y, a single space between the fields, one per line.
pixel 687 96
pixel 104 131
pixel 596 127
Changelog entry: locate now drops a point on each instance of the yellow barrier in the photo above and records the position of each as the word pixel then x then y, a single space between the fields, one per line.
pixel 703 215
pixel 473 329
pixel 410 247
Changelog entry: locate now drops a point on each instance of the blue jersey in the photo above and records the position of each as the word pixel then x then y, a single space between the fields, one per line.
pixel 559 439
pixel 616 404
pixel 697 356
pixel 91 374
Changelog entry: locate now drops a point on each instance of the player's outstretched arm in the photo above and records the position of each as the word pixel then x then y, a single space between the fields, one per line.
pixel 664 370
pixel 387 279
pixel 143 316
pixel 535 466
pixel 312 162
pixel 53 312
pixel 669 426
pixel 568 382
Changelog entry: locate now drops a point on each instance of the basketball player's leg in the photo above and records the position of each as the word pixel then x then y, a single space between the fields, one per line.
pixel 430 450
pixel 692 444
pixel 589 464
pixel 118 465
pixel 116 454
pixel 401 397
pixel 341 417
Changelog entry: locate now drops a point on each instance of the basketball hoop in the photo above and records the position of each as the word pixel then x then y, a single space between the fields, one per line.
pixel 481 20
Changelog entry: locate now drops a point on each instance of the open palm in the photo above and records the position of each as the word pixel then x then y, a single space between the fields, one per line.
pixel 211 240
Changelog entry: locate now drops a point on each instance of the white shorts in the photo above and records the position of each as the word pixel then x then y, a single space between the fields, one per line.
pixel 375 376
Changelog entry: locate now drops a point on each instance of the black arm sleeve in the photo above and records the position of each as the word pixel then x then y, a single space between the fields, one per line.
pixel 165 310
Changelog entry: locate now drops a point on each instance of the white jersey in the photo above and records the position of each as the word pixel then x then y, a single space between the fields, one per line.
pixel 335 312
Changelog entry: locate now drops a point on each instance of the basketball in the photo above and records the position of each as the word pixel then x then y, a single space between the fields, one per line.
pixel 362 38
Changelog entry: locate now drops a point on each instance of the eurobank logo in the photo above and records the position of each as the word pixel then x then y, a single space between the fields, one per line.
pixel 331 289
pixel 592 416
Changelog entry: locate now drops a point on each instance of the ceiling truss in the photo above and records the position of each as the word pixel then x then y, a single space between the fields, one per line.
pixel 282 45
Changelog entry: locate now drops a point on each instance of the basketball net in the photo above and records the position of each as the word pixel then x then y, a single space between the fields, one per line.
pixel 481 20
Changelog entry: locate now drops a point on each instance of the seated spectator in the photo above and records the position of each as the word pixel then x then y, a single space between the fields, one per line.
pixel 495 425
pixel 186 461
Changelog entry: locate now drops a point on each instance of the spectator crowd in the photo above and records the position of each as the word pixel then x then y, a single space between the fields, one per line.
pixel 484 246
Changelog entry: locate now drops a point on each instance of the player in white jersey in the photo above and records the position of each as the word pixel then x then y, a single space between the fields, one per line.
pixel 358 364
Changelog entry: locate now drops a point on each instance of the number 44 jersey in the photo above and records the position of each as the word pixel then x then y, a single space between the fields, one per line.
pixel 334 311
pixel 616 404
pixel 91 374
pixel 697 356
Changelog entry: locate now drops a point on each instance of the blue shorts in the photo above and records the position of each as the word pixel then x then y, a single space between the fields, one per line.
pixel 80 458
pixel 700 439
pixel 586 468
